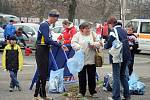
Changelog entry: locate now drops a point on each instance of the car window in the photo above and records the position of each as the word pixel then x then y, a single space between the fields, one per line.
pixel 26 29
pixel 57 30
pixel 145 27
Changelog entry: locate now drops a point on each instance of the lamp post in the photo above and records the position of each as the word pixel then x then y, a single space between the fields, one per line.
pixel 123 12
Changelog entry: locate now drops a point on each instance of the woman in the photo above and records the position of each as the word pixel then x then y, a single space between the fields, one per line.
pixel 67 34
pixel 84 39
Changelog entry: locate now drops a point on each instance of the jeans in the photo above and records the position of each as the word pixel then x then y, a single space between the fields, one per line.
pixel 119 75
pixel 14 81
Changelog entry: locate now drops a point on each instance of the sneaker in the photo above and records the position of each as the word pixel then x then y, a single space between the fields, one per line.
pixel 47 98
pixel 11 89
pixel 95 95
pixel 110 98
pixel 80 95
pixel 36 98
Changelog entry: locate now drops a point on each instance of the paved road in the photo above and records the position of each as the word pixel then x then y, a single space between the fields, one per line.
pixel 142 68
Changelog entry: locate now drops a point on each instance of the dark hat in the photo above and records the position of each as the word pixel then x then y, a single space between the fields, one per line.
pixel 12 38
pixel 53 13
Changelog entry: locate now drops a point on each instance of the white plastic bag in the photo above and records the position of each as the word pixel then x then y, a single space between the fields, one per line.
pixel 56 84
pixel 76 63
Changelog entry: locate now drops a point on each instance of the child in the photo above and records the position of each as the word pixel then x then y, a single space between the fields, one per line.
pixel 12 60
pixel 133 44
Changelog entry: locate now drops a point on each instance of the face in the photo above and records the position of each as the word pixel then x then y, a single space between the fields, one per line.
pixel 86 30
pixel 52 20
pixel 65 25
pixel 12 42
pixel 130 30
pixel 110 26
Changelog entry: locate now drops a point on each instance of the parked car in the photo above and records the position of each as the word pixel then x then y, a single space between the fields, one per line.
pixel 31 30
pixel 2 39
pixel 5 18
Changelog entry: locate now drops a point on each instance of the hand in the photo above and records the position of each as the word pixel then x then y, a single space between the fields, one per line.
pixel 4 70
pixel 131 48
pixel 64 48
pixel 20 70
pixel 101 44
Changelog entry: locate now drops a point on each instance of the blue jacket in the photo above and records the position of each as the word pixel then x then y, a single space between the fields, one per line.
pixel 9 30
pixel 44 35
pixel 123 38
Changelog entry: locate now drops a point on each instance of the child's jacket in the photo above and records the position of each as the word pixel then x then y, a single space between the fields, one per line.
pixel 12 58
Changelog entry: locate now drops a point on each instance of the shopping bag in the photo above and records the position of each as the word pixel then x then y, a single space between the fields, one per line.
pixel 76 63
pixel 56 84
pixel 99 58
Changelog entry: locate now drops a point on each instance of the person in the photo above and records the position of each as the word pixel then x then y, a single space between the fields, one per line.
pixel 12 60
pixel 133 44
pixel 84 39
pixel 105 31
pixel 19 36
pixel 44 40
pixel 67 34
pixel 9 30
pixel 118 68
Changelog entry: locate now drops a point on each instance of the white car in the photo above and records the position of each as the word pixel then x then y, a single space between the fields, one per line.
pixel 2 39
pixel 31 29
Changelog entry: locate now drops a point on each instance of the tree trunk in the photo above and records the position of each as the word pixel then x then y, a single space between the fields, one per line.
pixel 71 10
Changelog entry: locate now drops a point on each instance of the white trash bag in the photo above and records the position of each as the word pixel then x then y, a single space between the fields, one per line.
pixel 56 84
pixel 76 63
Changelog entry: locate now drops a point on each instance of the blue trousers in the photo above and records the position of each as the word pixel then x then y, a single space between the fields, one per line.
pixel 14 81
pixel 119 76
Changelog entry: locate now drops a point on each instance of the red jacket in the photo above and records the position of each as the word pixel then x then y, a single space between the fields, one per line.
pixel 67 35
pixel 105 30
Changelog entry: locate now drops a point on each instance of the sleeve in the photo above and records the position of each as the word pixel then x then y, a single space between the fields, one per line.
pixel 4 58
pixel 44 30
pixel 20 58
pixel 60 37
pixel 110 40
pixel 13 29
pixel 75 42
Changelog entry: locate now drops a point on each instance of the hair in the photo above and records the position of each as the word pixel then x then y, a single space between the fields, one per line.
pixel 11 21
pixel 53 13
pixel 20 29
pixel 66 22
pixel 130 26
pixel 84 25
pixel 112 20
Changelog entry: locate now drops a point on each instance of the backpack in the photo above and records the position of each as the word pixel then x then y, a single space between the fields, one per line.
pixel 107 84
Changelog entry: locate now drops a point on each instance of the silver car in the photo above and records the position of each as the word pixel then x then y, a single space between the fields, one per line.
pixel 2 39
pixel 31 30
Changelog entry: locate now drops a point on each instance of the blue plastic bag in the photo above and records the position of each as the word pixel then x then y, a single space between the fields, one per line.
pixel 56 84
pixel 76 63
pixel 135 86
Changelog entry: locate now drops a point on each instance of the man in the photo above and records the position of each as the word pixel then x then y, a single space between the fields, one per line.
pixel 9 30
pixel 119 67
pixel 42 53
